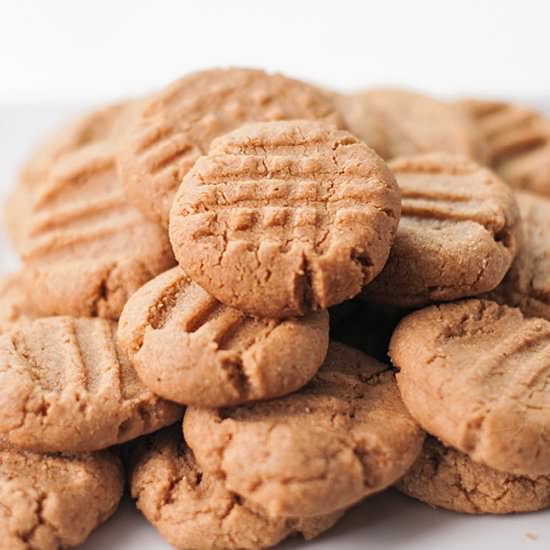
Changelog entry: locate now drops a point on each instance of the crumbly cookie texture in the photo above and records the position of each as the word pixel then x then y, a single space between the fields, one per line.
pixel 15 305
pixel 459 232
pixel 285 218
pixel 450 479
pixel 194 511
pixel 340 438
pixel 86 250
pixel 518 142
pixel 527 284
pixel 50 502
pixel 176 126
pixel 475 374
pixel 401 123
pixel 188 347
pixel 64 386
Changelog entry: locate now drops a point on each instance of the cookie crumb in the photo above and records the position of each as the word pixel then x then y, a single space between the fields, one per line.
pixel 531 536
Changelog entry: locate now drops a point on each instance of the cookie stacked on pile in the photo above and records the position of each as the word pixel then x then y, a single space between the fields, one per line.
pixel 237 250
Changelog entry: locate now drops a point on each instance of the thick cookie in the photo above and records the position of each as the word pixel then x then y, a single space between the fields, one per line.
pixel 458 235
pixel 187 347
pixel 527 284
pixel 449 479
pixel 65 387
pixel 518 142
pixel 476 375
pixel 86 250
pixel 49 502
pixel 193 509
pixel 284 218
pixel 399 122
pixel 340 438
pixel 176 126
pixel 14 303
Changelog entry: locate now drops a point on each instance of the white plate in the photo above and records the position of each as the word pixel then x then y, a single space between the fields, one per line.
pixel 382 522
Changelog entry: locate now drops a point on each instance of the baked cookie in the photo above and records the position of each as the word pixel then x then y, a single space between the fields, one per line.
pixel 193 510
pixel 458 235
pixel 187 347
pixel 176 126
pixel 86 250
pixel 14 303
pixel 527 284
pixel 398 123
pixel 518 142
pixel 284 218
pixel 449 479
pixel 64 386
pixel 49 502
pixel 340 438
pixel 475 374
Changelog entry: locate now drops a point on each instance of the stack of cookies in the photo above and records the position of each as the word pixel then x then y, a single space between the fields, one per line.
pixel 246 252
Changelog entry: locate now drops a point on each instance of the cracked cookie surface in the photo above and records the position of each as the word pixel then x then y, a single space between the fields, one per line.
pixel 447 478
pixel 284 218
pixel 459 232
pixel 340 438
pixel 86 250
pixel 188 347
pixel 176 126
pixel 476 375
pixel 49 502
pixel 64 386
pixel 194 511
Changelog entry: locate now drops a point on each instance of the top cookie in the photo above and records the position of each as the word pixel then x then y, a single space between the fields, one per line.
pixel 476 375
pixel 458 235
pixel 340 438
pixel 400 122
pixel 178 124
pixel 284 218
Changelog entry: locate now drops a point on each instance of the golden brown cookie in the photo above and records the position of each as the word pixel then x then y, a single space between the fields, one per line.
pixel 176 126
pixel 187 347
pixel 193 510
pixel 518 142
pixel 64 386
pixel 398 122
pixel 476 375
pixel 527 284
pixel 86 250
pixel 340 438
pixel 458 235
pixel 14 303
pixel 49 502
pixel 449 479
pixel 284 218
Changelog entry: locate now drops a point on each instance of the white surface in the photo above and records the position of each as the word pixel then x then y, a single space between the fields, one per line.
pixel 89 49
pixel 383 522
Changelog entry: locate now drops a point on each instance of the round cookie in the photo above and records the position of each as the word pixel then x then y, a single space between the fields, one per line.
pixel 284 218
pixel 398 123
pixel 86 250
pixel 14 303
pixel 340 438
pixel 449 479
pixel 458 234
pixel 49 502
pixel 193 509
pixel 64 386
pixel 176 126
pixel 527 284
pixel 475 374
pixel 188 347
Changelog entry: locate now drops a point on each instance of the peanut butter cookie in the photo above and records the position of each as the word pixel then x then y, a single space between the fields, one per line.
pixel 449 479
pixel 284 218
pixel 14 303
pixel 193 509
pixel 64 386
pixel 189 348
pixel 476 375
pixel 177 125
pixel 340 438
pixel 458 235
